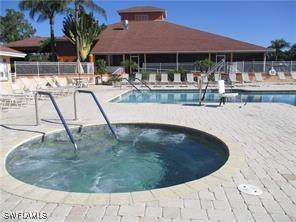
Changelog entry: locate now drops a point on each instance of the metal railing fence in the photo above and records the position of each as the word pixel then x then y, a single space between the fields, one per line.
pixel 253 66
pixel 50 68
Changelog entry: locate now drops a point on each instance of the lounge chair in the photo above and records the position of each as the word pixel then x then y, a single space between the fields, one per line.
pixel 164 78
pixel 138 77
pixel 152 78
pixel 245 77
pixel 232 78
pixel 205 79
pixel 189 78
pixel 8 98
pixel 293 75
pixel 177 78
pixel 281 75
pixel 217 76
pixel 258 76
pixel 124 78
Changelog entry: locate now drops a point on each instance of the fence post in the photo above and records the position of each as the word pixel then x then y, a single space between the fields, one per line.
pixel 243 66
pixel 291 66
pixel 59 68
pixel 160 67
pixel 37 63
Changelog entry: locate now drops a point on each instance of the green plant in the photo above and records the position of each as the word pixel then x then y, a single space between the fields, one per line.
pixel 101 67
pixel 115 78
pixel 129 65
pixel 45 10
pixel 87 29
pixel 204 65
pixel 14 26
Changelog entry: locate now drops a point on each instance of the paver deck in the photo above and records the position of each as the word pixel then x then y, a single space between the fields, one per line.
pixel 266 133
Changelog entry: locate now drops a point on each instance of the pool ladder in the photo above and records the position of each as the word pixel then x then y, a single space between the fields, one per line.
pixel 71 137
pixel 133 85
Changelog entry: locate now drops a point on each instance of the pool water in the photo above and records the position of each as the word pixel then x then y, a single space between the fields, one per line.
pixel 192 96
pixel 146 157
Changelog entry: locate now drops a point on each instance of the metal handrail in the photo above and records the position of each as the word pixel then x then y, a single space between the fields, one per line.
pixel 59 113
pixel 132 84
pixel 145 84
pixel 99 106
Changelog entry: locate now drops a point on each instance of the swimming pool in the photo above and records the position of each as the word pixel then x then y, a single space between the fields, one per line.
pixel 192 96
pixel 147 156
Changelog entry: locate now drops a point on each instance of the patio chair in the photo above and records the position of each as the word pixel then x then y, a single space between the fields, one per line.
pixel 258 76
pixel 164 78
pixel 189 78
pixel 138 77
pixel 281 75
pixel 177 78
pixel 205 78
pixel 8 98
pixel 293 75
pixel 124 78
pixel 152 78
pixel 245 77
pixel 232 78
pixel 217 77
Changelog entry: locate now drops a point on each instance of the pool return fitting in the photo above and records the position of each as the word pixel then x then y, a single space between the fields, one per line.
pixel 71 137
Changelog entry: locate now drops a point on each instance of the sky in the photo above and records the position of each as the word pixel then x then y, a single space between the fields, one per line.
pixel 257 22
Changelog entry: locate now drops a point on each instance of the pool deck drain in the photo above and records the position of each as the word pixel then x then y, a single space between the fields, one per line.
pixel 265 135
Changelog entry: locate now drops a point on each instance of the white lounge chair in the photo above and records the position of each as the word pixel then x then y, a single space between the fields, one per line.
pixel 217 76
pixel 293 75
pixel 245 77
pixel 138 77
pixel 281 75
pixel 205 79
pixel 152 78
pixel 177 78
pixel 232 78
pixel 164 78
pixel 189 78
pixel 258 76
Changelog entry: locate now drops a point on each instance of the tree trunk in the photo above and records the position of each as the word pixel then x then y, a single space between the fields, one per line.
pixel 77 7
pixel 52 40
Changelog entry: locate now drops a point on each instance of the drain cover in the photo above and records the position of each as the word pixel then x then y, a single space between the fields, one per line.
pixel 249 189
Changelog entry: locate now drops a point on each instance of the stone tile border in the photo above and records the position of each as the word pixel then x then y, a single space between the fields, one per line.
pixel 233 164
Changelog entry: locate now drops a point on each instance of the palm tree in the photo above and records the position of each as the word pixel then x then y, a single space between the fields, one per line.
pixel 87 31
pixel 45 9
pixel 278 45
pixel 79 5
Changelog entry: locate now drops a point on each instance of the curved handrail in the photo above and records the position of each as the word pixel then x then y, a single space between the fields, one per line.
pixel 145 84
pixel 131 84
pixel 59 113
pixel 99 106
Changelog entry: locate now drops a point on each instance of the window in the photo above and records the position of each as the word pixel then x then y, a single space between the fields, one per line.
pixel 141 17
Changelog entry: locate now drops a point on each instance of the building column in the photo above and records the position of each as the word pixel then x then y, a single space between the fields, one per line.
pixel 145 60
pixel 177 61
pixel 108 60
pixel 231 57
pixel 209 57
pixel 264 62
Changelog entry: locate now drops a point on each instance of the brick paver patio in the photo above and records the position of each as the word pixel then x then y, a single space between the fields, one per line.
pixel 266 132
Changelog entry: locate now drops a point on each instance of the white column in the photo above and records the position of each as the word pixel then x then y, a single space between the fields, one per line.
pixel 145 61
pixel 177 61
pixel 37 63
pixel 264 62
pixel 108 60
pixel 231 57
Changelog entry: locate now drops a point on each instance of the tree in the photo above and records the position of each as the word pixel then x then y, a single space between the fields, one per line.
pixel 15 27
pixel 86 31
pixel 204 65
pixel 129 65
pixel 45 9
pixel 292 52
pixel 79 5
pixel 279 45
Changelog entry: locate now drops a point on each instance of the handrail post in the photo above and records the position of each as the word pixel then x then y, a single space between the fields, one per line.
pixel 100 108
pixel 36 108
pixel 75 106
pixel 59 114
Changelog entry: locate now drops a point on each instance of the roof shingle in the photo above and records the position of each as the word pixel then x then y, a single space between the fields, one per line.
pixel 165 37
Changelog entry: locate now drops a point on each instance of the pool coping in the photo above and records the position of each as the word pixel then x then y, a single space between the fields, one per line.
pixel 234 163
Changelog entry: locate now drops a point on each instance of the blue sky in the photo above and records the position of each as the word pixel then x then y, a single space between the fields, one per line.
pixel 257 22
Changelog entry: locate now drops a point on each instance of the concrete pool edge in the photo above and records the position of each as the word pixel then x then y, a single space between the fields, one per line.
pixel 233 164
